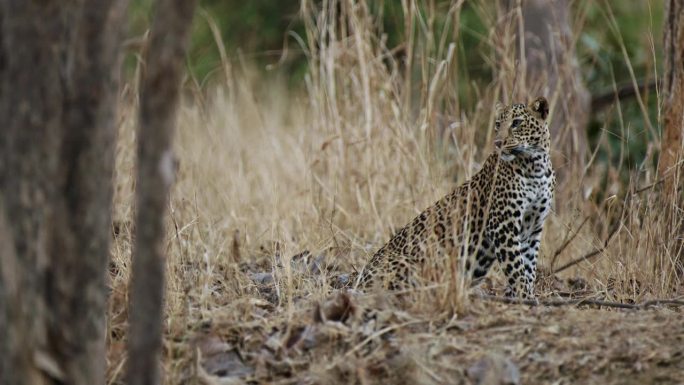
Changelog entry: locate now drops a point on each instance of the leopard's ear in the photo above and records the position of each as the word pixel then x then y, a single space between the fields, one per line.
pixel 540 107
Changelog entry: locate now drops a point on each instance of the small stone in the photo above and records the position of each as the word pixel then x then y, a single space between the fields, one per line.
pixel 494 369
pixel 262 278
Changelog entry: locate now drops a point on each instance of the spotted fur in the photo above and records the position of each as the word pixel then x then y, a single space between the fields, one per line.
pixel 496 215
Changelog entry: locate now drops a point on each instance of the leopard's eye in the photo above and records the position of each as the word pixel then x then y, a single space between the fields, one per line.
pixel 497 125
pixel 516 123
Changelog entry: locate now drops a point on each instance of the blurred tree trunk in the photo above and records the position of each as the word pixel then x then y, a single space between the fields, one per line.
pixel 673 94
pixel 59 66
pixel 546 52
pixel 156 170
pixel 670 162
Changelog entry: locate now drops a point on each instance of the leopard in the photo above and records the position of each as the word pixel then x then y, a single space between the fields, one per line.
pixel 496 215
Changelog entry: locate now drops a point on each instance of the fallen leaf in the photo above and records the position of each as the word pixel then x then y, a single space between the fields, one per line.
pixel 338 308
pixel 220 359
pixel 494 369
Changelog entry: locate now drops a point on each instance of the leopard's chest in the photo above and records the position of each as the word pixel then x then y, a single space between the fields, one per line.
pixel 538 192
pixel 536 186
pixel 530 186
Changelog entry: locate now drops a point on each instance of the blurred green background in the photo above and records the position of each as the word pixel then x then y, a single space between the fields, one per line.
pixel 255 33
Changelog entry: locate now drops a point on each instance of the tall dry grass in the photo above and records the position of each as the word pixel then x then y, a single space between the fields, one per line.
pixel 376 135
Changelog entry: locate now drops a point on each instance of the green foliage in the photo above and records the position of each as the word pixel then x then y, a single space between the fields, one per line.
pixel 257 31
pixel 253 31
pixel 610 26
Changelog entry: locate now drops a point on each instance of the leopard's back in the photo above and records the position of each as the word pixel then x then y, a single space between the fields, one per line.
pixel 434 233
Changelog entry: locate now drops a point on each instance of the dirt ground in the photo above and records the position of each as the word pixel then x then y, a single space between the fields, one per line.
pixel 363 339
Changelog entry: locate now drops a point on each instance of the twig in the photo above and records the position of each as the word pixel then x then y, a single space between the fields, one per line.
pixel 582 302
pixel 567 242
pixel 659 181
pixel 600 249
pixel 622 91
pixel 580 259
pixel 610 236
pixel 668 302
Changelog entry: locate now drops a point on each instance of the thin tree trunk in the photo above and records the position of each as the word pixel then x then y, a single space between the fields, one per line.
pixel 59 67
pixel 545 53
pixel 28 147
pixel 673 94
pixel 156 169
pixel 82 220
pixel 670 163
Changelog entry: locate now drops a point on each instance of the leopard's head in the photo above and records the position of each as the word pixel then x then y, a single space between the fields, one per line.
pixel 522 130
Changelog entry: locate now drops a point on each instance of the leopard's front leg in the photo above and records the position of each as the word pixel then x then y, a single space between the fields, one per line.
pixel 530 254
pixel 517 258
pixel 533 223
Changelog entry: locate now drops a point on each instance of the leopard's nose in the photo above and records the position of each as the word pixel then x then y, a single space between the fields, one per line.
pixel 498 143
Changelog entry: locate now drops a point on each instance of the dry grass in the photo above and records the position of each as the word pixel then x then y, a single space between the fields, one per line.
pixel 279 192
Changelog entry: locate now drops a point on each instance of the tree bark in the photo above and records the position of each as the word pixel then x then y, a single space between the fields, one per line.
pixel 672 95
pixel 59 65
pixel 545 52
pixel 156 169
pixel 670 167
pixel 29 143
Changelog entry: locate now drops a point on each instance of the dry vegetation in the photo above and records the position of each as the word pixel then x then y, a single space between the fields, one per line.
pixel 280 193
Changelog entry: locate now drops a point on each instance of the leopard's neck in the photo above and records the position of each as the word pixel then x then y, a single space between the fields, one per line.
pixel 532 165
